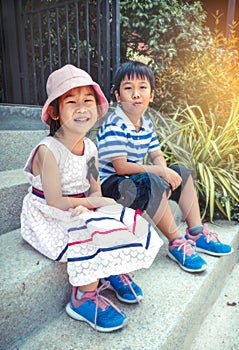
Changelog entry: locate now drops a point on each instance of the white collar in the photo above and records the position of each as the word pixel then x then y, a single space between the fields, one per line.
pixel 119 111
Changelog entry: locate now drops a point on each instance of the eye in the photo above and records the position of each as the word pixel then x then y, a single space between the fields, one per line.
pixel 70 101
pixel 89 100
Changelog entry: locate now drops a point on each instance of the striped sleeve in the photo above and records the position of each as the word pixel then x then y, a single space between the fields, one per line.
pixel 154 143
pixel 113 141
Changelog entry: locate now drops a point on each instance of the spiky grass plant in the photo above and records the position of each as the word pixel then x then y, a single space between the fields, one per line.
pixel 211 151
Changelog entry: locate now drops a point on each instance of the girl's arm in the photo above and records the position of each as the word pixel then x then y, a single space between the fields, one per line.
pixel 44 164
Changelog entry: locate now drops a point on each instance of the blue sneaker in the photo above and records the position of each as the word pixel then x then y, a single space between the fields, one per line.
pixel 125 288
pixel 183 252
pixel 96 310
pixel 208 242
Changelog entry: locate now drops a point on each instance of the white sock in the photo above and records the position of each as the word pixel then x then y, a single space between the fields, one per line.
pixel 79 294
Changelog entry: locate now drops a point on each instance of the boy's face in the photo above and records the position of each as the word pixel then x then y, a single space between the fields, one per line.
pixel 134 95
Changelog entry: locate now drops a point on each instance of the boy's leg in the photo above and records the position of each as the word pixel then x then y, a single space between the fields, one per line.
pixel 205 241
pixel 140 191
pixel 186 197
pixel 180 249
pixel 149 192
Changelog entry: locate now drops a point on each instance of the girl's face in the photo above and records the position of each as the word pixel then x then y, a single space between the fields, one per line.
pixel 134 95
pixel 78 109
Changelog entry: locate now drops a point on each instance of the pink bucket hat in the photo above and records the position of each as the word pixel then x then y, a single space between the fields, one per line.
pixel 66 78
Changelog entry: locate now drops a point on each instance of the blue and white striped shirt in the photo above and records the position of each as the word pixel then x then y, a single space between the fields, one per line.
pixel 118 137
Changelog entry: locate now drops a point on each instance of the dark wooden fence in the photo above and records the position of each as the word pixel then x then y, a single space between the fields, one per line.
pixel 39 36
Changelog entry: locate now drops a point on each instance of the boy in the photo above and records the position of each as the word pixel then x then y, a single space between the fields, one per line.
pixel 123 142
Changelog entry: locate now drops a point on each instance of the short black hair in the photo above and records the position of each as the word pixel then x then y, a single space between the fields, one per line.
pixel 132 69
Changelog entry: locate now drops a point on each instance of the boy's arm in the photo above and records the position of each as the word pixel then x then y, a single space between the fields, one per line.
pixel 159 167
pixel 123 167
pixel 157 158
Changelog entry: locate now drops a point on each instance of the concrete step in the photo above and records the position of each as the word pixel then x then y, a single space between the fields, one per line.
pixel 220 329
pixel 20 117
pixel 33 289
pixel 16 146
pixel 13 188
pixel 168 318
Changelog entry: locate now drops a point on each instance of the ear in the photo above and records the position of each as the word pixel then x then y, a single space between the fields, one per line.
pixel 151 96
pixel 117 96
pixel 52 112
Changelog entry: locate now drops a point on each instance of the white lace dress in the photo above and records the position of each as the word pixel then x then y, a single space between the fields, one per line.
pixel 110 240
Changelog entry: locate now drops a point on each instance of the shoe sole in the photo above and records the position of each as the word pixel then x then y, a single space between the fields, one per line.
pixel 201 250
pixel 140 297
pixel 78 317
pixel 203 268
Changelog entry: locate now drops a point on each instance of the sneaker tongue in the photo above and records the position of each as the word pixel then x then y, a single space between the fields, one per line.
pixel 89 295
pixel 185 246
pixel 178 241
pixel 96 298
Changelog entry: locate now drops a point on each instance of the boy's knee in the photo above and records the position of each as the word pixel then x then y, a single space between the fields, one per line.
pixel 157 184
pixel 182 171
pixel 128 192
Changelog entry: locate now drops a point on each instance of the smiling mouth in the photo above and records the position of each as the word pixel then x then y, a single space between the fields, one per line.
pixel 81 119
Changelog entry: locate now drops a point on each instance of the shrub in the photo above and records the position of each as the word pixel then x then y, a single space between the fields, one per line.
pixel 210 80
pixel 165 30
pixel 197 68
pixel 210 150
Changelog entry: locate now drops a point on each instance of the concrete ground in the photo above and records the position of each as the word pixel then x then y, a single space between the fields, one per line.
pixel 220 329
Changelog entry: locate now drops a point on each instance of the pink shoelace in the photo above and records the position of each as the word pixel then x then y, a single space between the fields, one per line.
pixel 188 246
pixel 127 279
pixel 100 301
pixel 210 236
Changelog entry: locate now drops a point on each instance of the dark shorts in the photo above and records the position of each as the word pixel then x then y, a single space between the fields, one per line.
pixel 143 191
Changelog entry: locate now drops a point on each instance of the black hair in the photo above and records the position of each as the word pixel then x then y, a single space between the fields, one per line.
pixel 55 124
pixel 132 69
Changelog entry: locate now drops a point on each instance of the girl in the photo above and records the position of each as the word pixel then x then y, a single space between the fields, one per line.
pixel 64 215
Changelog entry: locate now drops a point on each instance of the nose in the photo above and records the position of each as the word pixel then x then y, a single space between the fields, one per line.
pixel 80 108
pixel 135 93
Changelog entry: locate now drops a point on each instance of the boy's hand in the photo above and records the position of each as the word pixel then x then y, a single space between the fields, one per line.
pixel 172 178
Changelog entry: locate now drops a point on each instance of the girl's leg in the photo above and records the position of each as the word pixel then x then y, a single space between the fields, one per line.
pixel 89 287
pixel 88 305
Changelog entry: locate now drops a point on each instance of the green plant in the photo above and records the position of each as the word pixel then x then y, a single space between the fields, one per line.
pixel 164 30
pixel 210 150
pixel 209 79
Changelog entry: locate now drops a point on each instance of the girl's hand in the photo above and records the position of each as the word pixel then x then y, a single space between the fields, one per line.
pixel 78 210
pixel 172 178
